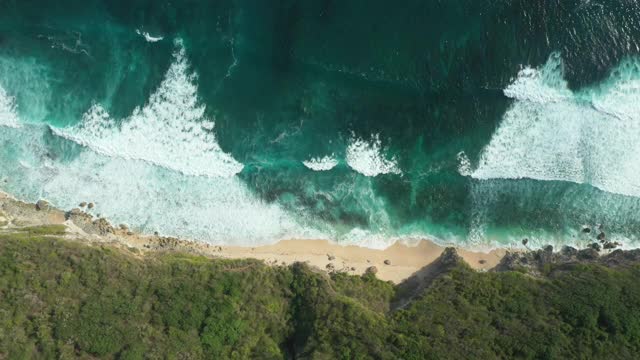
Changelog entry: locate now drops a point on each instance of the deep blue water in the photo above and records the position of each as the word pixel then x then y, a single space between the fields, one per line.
pixel 466 121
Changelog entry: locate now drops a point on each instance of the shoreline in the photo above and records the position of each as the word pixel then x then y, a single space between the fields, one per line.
pixel 396 263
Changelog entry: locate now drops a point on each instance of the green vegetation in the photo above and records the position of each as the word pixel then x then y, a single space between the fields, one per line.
pixel 60 299
pixel 43 230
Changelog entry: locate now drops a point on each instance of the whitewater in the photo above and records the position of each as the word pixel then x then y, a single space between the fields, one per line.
pixel 162 170
pixel 552 133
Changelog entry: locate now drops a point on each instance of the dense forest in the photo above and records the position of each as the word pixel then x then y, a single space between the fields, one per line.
pixel 64 299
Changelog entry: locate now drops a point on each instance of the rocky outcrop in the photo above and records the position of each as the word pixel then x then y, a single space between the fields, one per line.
pixel 415 285
pixel 449 258
pixel 103 227
pixel 88 224
pixel 540 262
pixel 621 258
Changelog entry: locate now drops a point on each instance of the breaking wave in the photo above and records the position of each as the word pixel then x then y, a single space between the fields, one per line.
pixel 171 130
pixel 553 133
pixel 368 158
pixel 321 163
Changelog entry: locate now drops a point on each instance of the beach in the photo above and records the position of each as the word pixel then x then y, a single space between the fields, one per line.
pixel 395 263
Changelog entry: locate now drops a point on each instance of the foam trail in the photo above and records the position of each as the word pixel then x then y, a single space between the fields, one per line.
pixel 148 36
pixel 367 158
pixel 321 164
pixel 8 110
pixel 171 130
pixel 552 133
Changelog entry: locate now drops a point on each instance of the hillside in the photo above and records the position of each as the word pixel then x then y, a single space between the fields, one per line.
pixel 65 299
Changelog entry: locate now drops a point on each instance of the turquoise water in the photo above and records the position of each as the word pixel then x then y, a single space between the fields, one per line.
pixel 246 122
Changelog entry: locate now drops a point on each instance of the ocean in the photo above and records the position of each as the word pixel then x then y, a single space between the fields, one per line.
pixel 477 123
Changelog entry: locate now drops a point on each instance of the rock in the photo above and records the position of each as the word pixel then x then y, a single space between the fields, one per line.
pixel 353 269
pixel 601 236
pixel 387 262
pixel 156 233
pixel 168 242
pixel 371 270
pixel 482 262
pixel 129 233
pixel 548 249
pixel 331 257
pixel 596 246
pixel 588 254
pixel 330 267
pixel 610 245
pixel 586 229
pixel 569 251
pixel 123 226
pixel 103 227
pixel 525 241
pixel 42 205
pixel 623 258
pixel 91 205
pixel 83 204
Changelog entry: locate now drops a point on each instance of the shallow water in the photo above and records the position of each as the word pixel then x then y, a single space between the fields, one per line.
pixel 246 122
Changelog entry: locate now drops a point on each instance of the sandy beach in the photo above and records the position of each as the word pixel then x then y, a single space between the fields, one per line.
pixel 395 263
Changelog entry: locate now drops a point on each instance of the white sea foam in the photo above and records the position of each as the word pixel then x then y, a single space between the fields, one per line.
pixel 148 36
pixel 464 164
pixel 171 130
pixel 8 110
pixel 367 158
pixel 551 133
pixel 321 163
pixel 147 197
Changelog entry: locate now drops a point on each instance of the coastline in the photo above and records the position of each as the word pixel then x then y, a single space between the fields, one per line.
pixel 395 263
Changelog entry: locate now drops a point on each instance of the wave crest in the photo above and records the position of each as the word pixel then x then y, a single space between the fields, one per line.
pixel 553 133
pixel 368 159
pixel 321 164
pixel 171 130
